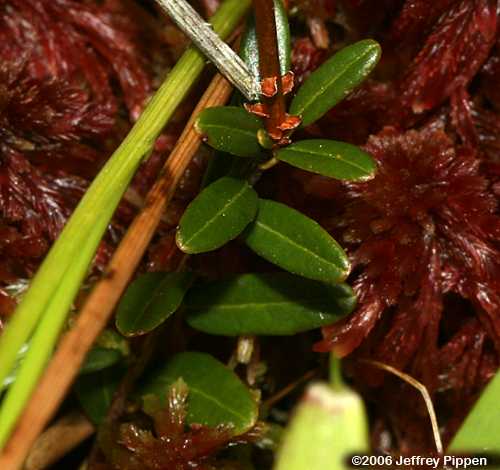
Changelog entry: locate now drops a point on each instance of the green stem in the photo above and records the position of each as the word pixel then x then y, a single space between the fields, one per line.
pixel 58 280
pixel 336 380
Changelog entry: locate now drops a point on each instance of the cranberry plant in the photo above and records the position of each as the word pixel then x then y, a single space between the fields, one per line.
pixel 311 293
pixel 307 288
pixel 423 230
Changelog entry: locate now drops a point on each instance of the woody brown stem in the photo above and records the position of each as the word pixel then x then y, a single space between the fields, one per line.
pixel 267 39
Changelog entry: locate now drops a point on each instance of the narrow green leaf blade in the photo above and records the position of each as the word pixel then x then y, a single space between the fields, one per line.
pixel 296 243
pixel 334 80
pixel 150 300
pixel 329 158
pixel 13 373
pixel 217 215
pixel 216 394
pixel 249 50
pixel 481 429
pixel 230 129
pixel 266 304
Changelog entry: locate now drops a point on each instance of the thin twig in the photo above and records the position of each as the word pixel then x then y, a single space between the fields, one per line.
pixel 63 436
pixel 425 395
pixel 207 41
pixel 271 401
pixel 267 39
pixel 97 310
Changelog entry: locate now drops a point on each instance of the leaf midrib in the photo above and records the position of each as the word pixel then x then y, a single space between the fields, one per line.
pixel 250 133
pixel 300 247
pixel 217 402
pixel 336 156
pixel 194 390
pixel 217 214
pixel 322 90
pixel 256 304
pixel 147 305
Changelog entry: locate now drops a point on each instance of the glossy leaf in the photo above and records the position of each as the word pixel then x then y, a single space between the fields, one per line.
pixel 334 80
pixel 296 243
pixel 95 392
pixel 217 215
pixel 328 427
pixel 249 50
pixel 216 394
pixel 100 358
pixel 150 300
pixel 266 304
pixel 329 158
pixel 230 129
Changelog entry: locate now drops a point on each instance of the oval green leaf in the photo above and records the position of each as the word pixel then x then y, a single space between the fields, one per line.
pixel 150 300
pixel 230 129
pixel 217 215
pixel 329 158
pixel 334 80
pixel 216 394
pixel 100 358
pixel 266 304
pixel 249 50
pixel 296 243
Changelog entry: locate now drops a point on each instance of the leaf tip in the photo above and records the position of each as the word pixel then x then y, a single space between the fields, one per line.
pixel 179 241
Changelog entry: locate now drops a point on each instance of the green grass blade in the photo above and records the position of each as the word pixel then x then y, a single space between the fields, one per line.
pixel 480 432
pixel 57 281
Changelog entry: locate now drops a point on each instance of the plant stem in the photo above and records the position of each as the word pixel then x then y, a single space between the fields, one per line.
pixel 220 54
pixel 75 343
pixel 336 380
pixel 58 280
pixel 265 25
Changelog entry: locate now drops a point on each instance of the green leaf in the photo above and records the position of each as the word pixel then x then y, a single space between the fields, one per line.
pixel 216 394
pixel 327 428
pixel 150 300
pixel 100 358
pixel 95 392
pixel 266 304
pixel 481 429
pixel 329 158
pixel 334 80
pixel 217 215
pixel 230 129
pixel 296 243
pixel 249 50
pixel 44 308
pixel 21 354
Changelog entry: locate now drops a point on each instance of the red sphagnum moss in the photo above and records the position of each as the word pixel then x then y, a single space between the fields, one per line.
pixel 423 235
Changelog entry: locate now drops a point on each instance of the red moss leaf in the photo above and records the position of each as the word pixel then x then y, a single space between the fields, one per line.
pixel 428 206
pixel 452 54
